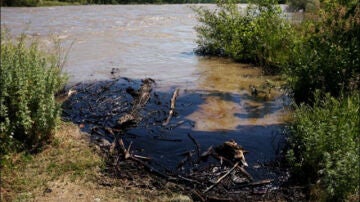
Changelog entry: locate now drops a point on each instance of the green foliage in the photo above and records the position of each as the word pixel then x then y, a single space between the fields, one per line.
pixel 327 57
pixel 325 142
pixel 29 80
pixel 259 34
pixel 20 2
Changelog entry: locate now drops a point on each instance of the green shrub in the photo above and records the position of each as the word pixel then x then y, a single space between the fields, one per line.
pixel 29 80
pixel 328 56
pixel 259 35
pixel 325 145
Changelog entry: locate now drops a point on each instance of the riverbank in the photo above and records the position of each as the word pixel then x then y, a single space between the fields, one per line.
pixel 71 169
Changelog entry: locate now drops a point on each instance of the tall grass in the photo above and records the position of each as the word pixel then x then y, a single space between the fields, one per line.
pixel 325 145
pixel 29 80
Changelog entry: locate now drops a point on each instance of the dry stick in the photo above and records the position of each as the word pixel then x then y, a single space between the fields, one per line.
pixel 246 173
pixel 261 182
pixel 189 180
pixel 221 178
pixel 172 106
pixel 142 157
pixel 126 152
pixel 196 144
pixel 151 169
pixel 198 197
pixel 257 183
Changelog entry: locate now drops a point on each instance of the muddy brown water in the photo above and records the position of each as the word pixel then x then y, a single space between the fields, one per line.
pixel 157 41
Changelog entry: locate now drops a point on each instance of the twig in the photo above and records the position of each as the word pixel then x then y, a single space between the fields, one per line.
pixel 126 152
pixel 184 160
pixel 172 106
pixel 167 139
pixel 257 183
pixel 221 178
pixel 196 144
pixel 189 180
pixel 142 157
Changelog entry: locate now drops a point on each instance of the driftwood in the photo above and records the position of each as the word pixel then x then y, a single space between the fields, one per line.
pixel 221 178
pixel 223 150
pixel 126 152
pixel 172 106
pixel 232 151
pixel 141 97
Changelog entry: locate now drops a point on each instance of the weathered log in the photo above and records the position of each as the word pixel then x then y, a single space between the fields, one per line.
pixel 172 106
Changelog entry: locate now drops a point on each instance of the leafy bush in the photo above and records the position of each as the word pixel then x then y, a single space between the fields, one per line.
pixel 328 56
pixel 259 35
pixel 325 141
pixel 29 80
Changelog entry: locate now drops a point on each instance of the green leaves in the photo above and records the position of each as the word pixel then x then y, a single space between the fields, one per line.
pixel 29 81
pixel 258 34
pixel 325 144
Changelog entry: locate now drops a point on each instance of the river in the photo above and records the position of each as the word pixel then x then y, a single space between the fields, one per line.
pixel 157 41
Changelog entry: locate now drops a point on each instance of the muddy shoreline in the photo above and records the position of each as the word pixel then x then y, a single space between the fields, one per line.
pixel 170 149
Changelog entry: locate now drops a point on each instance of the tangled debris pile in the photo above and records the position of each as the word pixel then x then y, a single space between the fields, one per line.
pixel 108 110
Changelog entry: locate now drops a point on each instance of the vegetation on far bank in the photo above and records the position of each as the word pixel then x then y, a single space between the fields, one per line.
pixel 319 58
pixel 85 2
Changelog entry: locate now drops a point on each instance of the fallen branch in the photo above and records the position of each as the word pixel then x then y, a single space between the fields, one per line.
pixel 257 183
pixel 167 139
pixel 142 157
pixel 206 154
pixel 172 106
pixel 221 178
pixel 196 144
pixel 189 180
pixel 125 151
pixel 260 183
pixel 143 96
pixel 184 160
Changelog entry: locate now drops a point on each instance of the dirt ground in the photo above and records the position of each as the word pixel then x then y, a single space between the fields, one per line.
pixel 70 169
